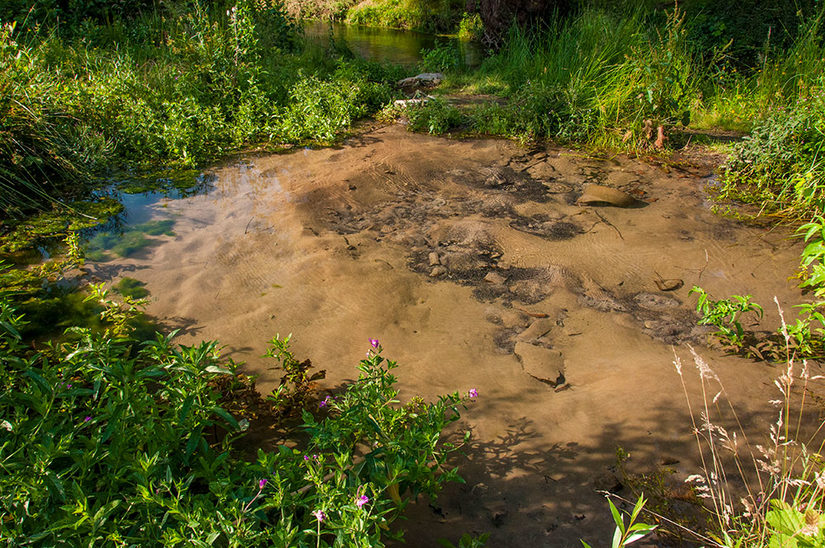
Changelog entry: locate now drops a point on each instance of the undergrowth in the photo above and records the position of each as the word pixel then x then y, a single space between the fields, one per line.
pixel 182 88
pixel 106 440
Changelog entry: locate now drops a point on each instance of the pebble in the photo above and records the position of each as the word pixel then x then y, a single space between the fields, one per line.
pixel 434 260
pixel 494 278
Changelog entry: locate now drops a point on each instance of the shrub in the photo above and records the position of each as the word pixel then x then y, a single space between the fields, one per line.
pixel 779 165
pixel 441 58
pixel 470 27
pixel 435 117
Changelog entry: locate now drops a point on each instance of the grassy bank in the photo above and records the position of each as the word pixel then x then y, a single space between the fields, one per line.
pixel 440 16
pixel 159 89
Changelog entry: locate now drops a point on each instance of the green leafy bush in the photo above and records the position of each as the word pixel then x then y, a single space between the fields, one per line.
pixel 441 58
pixel 435 117
pixel 106 441
pixel 725 314
pixel 780 164
pixel 471 27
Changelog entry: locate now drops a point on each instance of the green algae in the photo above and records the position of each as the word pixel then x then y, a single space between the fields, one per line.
pixel 19 237
pixel 105 245
pixel 130 287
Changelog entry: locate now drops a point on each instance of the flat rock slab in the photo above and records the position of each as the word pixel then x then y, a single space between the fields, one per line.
pixel 540 362
pixel 604 195
pixel 431 78
pixel 423 80
pixel 537 330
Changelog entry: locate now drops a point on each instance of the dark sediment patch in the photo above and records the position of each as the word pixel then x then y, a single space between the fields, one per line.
pixel 545 227
pixel 519 185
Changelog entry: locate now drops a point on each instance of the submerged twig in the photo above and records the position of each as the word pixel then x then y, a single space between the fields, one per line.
pixel 605 221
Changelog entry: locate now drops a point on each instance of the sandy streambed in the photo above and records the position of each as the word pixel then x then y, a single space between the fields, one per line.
pixel 473 265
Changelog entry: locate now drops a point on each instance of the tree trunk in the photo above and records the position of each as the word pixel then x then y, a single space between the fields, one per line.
pixel 499 15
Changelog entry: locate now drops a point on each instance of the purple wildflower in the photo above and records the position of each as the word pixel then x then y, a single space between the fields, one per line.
pixel 374 343
pixel 473 393
pixel 361 501
pixel 87 419
pixel 261 484
pixel 319 515
pixel 325 402
pixel 306 457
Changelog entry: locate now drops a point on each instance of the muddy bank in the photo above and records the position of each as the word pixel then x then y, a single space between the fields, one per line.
pixel 477 265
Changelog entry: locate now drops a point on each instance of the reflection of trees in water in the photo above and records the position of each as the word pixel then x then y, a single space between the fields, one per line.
pixel 397 46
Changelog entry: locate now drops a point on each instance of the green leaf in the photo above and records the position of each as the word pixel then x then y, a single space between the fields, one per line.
pixel 39 380
pixel 184 409
pixel 222 413
pixel 617 538
pixel 638 536
pixel 617 517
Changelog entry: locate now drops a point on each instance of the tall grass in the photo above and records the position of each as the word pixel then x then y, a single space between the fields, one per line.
pixel 594 78
pixel 760 492
pixel 39 141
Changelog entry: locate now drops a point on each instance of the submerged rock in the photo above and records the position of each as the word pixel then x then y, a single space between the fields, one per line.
pixel 541 363
pixel 604 195
pixel 669 285
pixel 539 328
pixel 494 278
pixel 437 271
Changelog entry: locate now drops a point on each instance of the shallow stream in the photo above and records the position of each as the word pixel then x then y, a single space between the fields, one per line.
pixel 473 264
